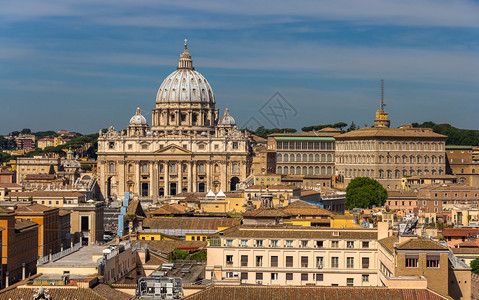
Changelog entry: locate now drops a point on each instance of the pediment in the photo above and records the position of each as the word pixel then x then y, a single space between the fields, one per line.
pixel 173 149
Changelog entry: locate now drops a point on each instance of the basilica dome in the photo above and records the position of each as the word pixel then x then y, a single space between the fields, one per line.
pixel 138 119
pixel 227 119
pixel 185 84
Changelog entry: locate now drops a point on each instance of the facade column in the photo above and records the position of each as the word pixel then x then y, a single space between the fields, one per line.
pixel 224 175
pixel 189 187
pixel 167 190
pixel 121 179
pixel 138 174
pixel 208 175
pixel 154 180
pixel 180 176
pixel 195 177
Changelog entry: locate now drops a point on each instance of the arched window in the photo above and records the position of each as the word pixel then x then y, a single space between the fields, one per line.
pixel 173 168
pixel 286 170
pixel 305 171
pixel 280 170
pixel 305 157
pixel 323 157
pixel 310 157
pixel 298 157
pixel 310 170
pixel 426 159
pixel 473 171
pixel 397 174
pixel 330 157
pixel 286 157
pixel 323 170
pixel 130 168
pixel 433 172
pixel 316 157
pixel 279 157
pixel 316 170
pixel 389 173
pixel 202 168
pixel 291 171
pixel 440 159
pixel 291 157
pixel 441 172
pixel 298 170
pixel 404 159
pixel 330 170
pixel 217 169
pixel 433 159
pixel 419 159
pixel 381 173
pixel 404 173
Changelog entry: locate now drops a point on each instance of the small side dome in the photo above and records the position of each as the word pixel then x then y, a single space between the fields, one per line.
pixel 227 119
pixel 138 119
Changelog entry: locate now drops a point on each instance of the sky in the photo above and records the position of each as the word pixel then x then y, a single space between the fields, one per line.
pixel 86 65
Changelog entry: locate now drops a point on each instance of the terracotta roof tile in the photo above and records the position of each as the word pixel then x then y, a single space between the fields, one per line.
pixel 266 213
pixel 45 194
pixel 34 208
pixel 170 209
pixel 305 209
pixel 392 132
pixel 460 232
pixel 189 223
pixel 313 293
pixel 10 185
pixel 420 244
pixel 24 224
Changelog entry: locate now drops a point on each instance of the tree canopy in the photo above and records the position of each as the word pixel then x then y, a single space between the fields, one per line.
pixel 339 126
pixel 264 132
pixel 364 192
pixel 455 136
pixel 475 266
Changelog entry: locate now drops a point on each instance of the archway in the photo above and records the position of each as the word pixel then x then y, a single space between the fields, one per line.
pixel 201 187
pixel 161 192
pixel 234 182
pixel 108 188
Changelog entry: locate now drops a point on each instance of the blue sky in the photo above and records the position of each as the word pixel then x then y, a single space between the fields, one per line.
pixel 86 65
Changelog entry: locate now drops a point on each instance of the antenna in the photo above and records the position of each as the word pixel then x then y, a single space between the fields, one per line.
pixel 382 95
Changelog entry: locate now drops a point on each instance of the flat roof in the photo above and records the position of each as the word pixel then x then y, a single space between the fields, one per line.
pixel 80 258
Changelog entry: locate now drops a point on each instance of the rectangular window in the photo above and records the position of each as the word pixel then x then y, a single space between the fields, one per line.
pixel 349 244
pixel 274 243
pixel 365 262
pixel 334 244
pixel 304 261
pixel 334 262
pixel 259 243
pixel 274 261
pixel 304 244
pixel 289 276
pixel 411 261
pixel 235 145
pixel 304 276
pixel 229 243
pixel 244 243
pixel 289 243
pixel 229 259
pixel 365 244
pixel 244 276
pixel 319 262
pixel 244 260
pixel 365 278
pixel 350 281
pixel 350 262
pixel 259 276
pixel 289 261
pixel 274 276
pixel 319 277
pixel 432 261
pixel 319 244
pixel 259 261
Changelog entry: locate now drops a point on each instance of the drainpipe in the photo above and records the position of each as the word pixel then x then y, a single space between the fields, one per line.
pixel 23 271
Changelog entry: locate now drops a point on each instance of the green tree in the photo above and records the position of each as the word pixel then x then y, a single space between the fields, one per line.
pixel 26 131
pixel 52 170
pixel 364 192
pixel 475 266
pixel 352 127
pixel 340 125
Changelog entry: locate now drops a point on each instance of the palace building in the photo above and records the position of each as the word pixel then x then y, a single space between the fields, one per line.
pixel 187 148
pixel 389 154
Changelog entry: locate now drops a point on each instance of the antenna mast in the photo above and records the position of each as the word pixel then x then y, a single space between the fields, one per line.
pixel 382 95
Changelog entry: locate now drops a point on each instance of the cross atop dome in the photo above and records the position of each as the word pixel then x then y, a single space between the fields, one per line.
pixel 185 59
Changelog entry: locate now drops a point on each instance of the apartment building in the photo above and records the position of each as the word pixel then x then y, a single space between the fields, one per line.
pixel 293 255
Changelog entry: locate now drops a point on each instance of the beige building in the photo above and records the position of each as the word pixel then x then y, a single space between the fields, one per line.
pixel 389 154
pixel 35 165
pixel 188 147
pixel 294 255
pixel 307 153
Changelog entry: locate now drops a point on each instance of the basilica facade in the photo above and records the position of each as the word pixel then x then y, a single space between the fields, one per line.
pixel 187 148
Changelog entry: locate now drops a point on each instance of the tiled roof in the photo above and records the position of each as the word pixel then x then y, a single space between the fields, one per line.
pixel 24 224
pixel 134 208
pixel 45 194
pixel 420 244
pixel 474 243
pixel 299 232
pixel 272 187
pixel 313 293
pixel 34 208
pixel 305 209
pixel 63 212
pixel 170 209
pixel 266 213
pixel 5 211
pixel 465 250
pixel 190 223
pixel 39 177
pixel 166 246
pixel 392 132
pixel 388 242
pixel 459 232
pixel 10 185
pixel 100 292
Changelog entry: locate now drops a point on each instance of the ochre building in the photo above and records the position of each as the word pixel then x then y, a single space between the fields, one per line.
pixel 188 148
